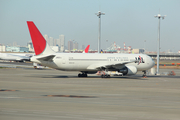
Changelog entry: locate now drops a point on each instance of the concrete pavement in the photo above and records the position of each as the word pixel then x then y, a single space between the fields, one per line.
pixel 91 98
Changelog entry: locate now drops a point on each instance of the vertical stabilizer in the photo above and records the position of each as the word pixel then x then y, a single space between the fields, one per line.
pixel 39 43
pixel 87 49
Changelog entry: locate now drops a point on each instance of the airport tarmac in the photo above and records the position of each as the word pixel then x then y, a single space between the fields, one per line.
pixel 27 94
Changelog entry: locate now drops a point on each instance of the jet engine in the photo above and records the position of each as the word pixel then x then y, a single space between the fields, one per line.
pixel 128 70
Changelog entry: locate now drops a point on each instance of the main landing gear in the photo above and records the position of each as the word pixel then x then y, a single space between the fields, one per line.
pixel 144 75
pixel 82 75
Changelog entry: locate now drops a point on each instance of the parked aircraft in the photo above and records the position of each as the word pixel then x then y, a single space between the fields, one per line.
pixel 14 57
pixel 122 64
pixel 86 49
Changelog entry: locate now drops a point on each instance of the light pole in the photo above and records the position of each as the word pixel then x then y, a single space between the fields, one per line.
pixel 158 44
pixel 144 46
pixel 99 36
pixel 106 44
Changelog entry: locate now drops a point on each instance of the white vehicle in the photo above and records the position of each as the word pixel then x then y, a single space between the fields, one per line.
pixel 14 57
pixel 127 64
pixel 108 73
pixel 38 66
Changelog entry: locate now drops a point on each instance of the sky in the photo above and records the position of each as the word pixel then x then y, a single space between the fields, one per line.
pixel 129 21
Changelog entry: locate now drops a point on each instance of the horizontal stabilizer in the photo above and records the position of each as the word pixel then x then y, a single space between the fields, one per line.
pixel 46 58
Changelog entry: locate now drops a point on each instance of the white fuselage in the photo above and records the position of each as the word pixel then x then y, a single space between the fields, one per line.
pixel 13 57
pixel 90 61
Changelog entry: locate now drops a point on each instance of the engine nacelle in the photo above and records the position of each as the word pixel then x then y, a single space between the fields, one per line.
pixel 128 70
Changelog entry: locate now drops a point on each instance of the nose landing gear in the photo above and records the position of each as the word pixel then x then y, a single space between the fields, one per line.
pixel 144 75
pixel 105 76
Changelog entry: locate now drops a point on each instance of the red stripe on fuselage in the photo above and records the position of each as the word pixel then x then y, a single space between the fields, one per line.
pixel 39 43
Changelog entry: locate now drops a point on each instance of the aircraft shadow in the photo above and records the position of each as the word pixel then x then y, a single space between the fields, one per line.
pixel 93 77
pixel 136 77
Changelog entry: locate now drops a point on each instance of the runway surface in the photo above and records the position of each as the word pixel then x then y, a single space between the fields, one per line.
pixel 16 64
pixel 27 94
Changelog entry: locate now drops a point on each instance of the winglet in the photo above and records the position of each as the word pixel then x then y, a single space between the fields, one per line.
pixel 38 40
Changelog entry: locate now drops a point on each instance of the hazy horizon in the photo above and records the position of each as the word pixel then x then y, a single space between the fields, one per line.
pixel 126 21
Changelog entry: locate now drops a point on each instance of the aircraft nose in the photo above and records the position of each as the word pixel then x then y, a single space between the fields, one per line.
pixel 153 63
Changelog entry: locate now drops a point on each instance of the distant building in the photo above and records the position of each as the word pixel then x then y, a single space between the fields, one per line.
pixel 136 51
pixel 46 38
pixel 55 48
pixel 17 49
pixel 83 47
pixel 2 48
pixel 75 45
pixel 14 43
pixel 51 41
pixel 70 45
pixel 62 41
pixel 58 42
pixel 30 46
pixel 55 42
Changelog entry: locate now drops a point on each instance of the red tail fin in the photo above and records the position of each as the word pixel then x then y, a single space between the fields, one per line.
pixel 38 40
pixel 87 49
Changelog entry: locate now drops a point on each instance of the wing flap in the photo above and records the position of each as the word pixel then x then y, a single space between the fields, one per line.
pixel 108 66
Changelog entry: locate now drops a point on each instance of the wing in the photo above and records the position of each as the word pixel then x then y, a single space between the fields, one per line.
pixel 100 66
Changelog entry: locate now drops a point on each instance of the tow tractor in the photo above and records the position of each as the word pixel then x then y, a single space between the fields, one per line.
pixel 38 66
pixel 107 74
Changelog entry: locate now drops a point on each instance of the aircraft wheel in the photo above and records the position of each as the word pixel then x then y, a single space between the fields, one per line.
pixel 105 76
pixel 102 76
pixel 79 75
pixel 82 75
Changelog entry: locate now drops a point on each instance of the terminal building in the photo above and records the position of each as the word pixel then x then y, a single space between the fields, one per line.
pixel 2 48
pixel 165 56
pixel 16 49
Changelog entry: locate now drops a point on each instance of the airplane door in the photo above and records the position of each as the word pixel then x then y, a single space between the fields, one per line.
pixel 63 60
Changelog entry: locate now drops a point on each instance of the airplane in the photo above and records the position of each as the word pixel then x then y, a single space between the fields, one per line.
pixel 109 64
pixel 14 57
